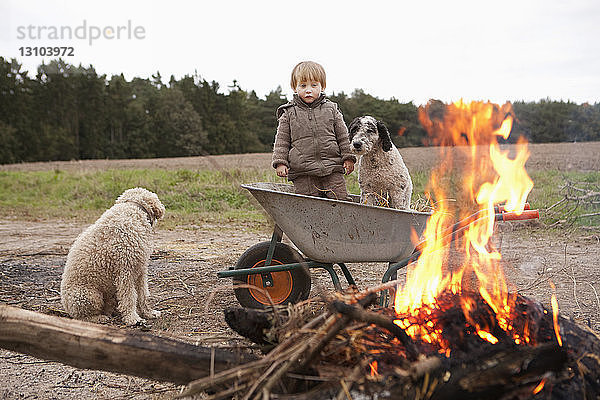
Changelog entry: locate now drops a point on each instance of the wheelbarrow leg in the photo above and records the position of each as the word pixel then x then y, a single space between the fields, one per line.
pixel 392 271
pixel 391 274
pixel 394 274
pixel 392 291
pixel 267 278
pixel 347 274
pixel 333 274
pixel 276 237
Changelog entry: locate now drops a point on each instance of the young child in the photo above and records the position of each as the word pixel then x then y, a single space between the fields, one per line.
pixel 312 147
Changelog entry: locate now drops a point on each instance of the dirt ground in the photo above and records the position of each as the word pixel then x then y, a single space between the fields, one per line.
pixel 184 286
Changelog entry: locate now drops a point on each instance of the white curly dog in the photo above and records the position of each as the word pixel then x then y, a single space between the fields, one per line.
pixel 107 265
pixel 382 175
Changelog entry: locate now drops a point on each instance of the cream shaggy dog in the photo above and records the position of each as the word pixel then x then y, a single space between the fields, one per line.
pixel 107 265
pixel 382 175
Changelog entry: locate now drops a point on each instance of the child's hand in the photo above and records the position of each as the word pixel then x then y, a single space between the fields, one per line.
pixel 349 166
pixel 282 170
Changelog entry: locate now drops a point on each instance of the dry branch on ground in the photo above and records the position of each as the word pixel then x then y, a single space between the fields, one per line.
pixel 576 196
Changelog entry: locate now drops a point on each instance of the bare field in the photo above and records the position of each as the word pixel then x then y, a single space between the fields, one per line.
pixel 560 156
pixel 183 282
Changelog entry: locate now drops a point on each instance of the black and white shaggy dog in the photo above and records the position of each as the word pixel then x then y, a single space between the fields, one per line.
pixel 382 175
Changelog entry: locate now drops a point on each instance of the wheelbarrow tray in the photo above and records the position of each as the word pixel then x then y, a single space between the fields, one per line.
pixel 333 231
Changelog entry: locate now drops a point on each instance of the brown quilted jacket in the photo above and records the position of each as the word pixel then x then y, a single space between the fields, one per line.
pixel 312 139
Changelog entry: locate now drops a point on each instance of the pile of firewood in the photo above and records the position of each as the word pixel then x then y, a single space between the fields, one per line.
pixel 349 348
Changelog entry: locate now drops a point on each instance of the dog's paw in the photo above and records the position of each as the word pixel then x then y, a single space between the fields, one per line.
pixel 133 319
pixel 143 325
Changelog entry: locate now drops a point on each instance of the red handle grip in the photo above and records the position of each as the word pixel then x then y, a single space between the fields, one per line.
pixel 527 214
pixel 500 207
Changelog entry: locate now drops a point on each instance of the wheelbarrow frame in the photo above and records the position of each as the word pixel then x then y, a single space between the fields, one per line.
pixel 448 236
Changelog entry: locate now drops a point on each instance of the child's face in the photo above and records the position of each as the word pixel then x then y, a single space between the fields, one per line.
pixel 309 91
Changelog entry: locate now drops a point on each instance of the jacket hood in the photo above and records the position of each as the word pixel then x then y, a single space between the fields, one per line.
pixel 297 101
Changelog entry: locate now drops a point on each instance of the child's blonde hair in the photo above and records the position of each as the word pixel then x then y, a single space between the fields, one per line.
pixel 308 70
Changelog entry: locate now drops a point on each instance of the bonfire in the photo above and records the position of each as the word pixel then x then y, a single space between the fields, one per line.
pixel 454 329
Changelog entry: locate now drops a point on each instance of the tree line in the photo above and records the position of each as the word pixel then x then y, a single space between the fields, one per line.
pixel 71 112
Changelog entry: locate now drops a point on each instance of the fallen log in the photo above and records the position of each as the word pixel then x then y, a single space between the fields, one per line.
pixel 92 346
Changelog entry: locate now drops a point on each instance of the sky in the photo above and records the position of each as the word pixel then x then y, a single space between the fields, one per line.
pixel 497 51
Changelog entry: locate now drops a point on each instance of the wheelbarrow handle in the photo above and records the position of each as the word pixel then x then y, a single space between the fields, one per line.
pixel 457 230
pixel 500 215
pixel 454 232
pixel 512 216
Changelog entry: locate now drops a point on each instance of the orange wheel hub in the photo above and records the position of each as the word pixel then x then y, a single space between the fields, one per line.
pixel 281 289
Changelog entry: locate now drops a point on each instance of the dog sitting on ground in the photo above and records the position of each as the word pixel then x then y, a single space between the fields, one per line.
pixel 107 265
pixel 382 176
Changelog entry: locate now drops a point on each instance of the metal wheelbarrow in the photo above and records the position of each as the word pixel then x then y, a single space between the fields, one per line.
pixel 327 232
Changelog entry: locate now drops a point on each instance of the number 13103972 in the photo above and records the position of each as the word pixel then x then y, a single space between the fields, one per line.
pixel 56 51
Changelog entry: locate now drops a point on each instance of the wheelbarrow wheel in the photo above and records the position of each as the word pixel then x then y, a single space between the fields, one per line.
pixel 288 286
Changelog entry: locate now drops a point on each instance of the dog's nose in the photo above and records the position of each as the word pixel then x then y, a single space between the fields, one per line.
pixel 357 145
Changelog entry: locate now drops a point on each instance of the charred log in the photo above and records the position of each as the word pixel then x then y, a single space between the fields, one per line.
pixel 581 378
pixel 503 374
pixel 255 324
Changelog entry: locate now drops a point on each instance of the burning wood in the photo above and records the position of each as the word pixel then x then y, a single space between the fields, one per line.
pixel 370 358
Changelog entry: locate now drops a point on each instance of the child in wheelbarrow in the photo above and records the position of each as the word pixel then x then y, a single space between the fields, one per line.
pixel 312 148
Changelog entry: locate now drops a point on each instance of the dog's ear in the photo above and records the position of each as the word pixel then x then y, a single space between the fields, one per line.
pixel 353 127
pixel 384 135
pixel 157 208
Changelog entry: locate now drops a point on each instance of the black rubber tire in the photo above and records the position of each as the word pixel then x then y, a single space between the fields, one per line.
pixel 288 286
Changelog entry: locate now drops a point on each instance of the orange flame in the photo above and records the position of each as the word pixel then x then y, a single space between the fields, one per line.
pixel 373 366
pixel 554 303
pixel 470 131
pixel 540 386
